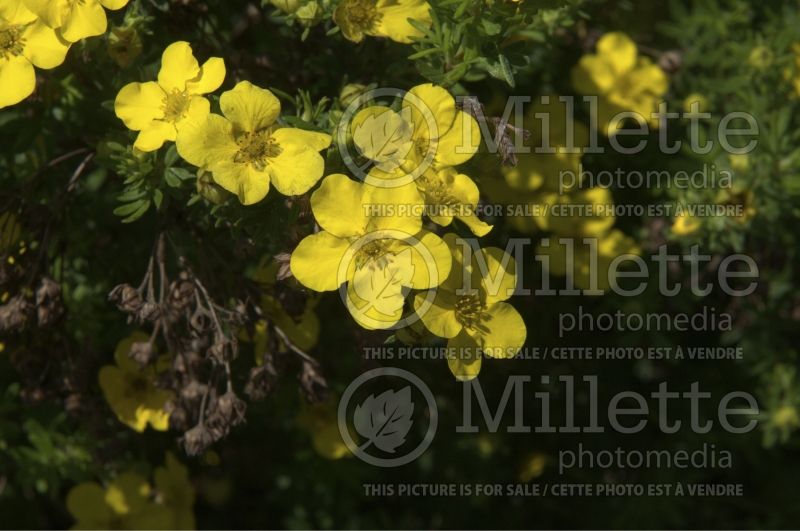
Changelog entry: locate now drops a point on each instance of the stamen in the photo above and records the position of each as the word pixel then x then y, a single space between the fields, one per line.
pixel 256 148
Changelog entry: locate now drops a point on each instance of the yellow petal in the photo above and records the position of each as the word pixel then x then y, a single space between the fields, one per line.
pixel 114 4
pixel 43 47
pixel 85 19
pixel 438 316
pixel 52 12
pixel 432 110
pixel 375 295
pixel 498 282
pixel 502 333
pixel 17 80
pixel 338 193
pixel 313 139
pixel 198 111
pixel 153 136
pixel 399 208
pixel 316 259
pixel 593 76
pixel 393 22
pixel 138 104
pixel 127 494
pixel 204 141
pixel 432 260
pixel 85 503
pixel 211 76
pixel 619 50
pixel 249 107
pixel 460 142
pixel 298 166
pixel 250 184
pixel 464 357
pixel 178 66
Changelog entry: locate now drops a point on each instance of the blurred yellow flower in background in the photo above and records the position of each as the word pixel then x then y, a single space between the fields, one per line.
pixel 321 423
pixel 124 45
pixel 130 389
pixel 623 80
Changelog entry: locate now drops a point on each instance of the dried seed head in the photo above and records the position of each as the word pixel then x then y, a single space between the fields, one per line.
pixel 230 409
pixel 671 61
pixel 197 440
pixel 312 383
pixel 15 314
pixel 284 271
pixel 261 381
pixel 126 298
pixel 142 352
pixel 224 350
pixel 148 312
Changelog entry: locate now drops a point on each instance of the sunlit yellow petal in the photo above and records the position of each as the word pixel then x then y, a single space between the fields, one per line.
pixel 211 76
pixel 85 19
pixel 460 142
pixel 43 47
pixel 200 142
pixel 315 261
pixel 440 316
pixel 17 80
pixel 432 110
pixel 250 184
pixel 502 333
pixel 153 136
pixel 393 22
pixel 178 65
pixel 338 193
pixel 138 104
pixel 464 357
pixel 249 107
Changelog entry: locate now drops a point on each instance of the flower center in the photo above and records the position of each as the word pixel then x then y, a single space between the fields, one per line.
pixel 469 310
pixel 362 13
pixel 436 192
pixel 175 105
pixel 11 41
pixel 370 252
pixel 256 148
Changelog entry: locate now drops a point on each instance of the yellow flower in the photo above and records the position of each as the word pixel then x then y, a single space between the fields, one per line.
pixel 378 249
pixel 75 20
pixel 422 143
pixel 699 99
pixel 543 171
pixel 760 57
pixel 302 330
pixel 159 110
pixel 476 321
pixel 578 213
pixel 532 467
pixel 609 246
pixel 246 150
pixel 623 81
pixel 381 18
pixel 25 42
pixel 124 45
pixel 176 493
pixel 428 132
pixel 685 224
pixel 131 392
pixel 124 504
pixel 321 423
pixel 453 195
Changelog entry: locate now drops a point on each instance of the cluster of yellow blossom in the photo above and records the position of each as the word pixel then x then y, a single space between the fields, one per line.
pixel 129 501
pixel 38 33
